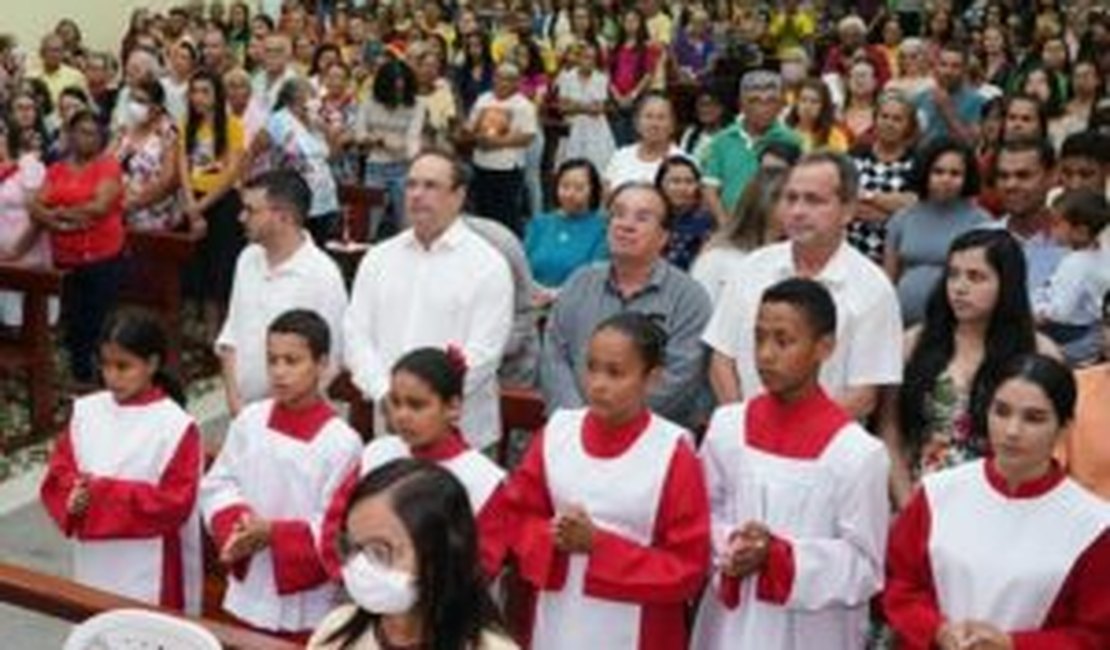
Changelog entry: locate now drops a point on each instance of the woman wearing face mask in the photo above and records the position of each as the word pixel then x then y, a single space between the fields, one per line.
pixel 917 238
pixel 411 567
pixel 147 151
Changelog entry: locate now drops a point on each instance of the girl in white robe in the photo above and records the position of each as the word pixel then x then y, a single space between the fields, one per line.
pixel 798 494
pixel 265 496
pixel 1005 552
pixel 122 480
pixel 425 402
pixel 609 508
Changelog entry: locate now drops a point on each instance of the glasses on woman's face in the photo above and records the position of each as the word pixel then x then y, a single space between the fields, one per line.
pixel 375 551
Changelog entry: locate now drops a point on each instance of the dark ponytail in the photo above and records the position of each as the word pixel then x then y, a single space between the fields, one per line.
pixel 443 370
pixel 139 332
pixel 645 332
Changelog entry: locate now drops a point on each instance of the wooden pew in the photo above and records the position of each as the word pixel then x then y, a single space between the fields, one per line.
pixel 154 278
pixel 70 601
pixel 521 409
pixel 30 351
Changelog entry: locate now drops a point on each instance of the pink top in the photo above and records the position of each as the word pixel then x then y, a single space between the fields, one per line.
pixel 16 189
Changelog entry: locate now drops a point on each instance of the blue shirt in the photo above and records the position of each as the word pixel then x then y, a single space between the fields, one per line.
pixel 967 101
pixel 558 244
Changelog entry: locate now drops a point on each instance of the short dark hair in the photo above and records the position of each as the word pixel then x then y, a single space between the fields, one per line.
pixel 443 370
pixel 1046 155
pixel 1042 111
pixel 591 172
pixel 154 90
pixel 928 156
pixel 647 335
pixel 1086 144
pixel 308 325
pixel 459 175
pixel 809 297
pixel 846 172
pixel 286 188
pixel 1085 208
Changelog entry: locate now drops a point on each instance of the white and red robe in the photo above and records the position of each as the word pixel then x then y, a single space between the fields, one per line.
pixel 482 478
pixel 642 487
pixel 818 481
pixel 283 466
pixel 1032 561
pixel 140 536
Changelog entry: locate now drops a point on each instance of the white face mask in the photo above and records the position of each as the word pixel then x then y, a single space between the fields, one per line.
pixel 377 589
pixel 137 113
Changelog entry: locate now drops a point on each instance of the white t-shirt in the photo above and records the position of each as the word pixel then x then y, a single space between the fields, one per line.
pixel 517 114
pixel 626 166
pixel 868 322
pixel 715 267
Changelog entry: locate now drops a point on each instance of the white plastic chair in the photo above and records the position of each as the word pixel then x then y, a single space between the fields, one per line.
pixel 140 629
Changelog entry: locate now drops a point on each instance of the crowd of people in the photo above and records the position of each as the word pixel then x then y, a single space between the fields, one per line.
pixel 817 298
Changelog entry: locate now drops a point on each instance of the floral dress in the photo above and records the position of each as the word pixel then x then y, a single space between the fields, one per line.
pixel 948 434
pixel 141 160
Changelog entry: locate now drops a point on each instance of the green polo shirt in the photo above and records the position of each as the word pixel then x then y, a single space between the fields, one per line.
pixel 731 158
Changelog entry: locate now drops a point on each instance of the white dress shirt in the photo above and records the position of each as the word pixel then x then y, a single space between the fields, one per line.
pixel 457 291
pixel 309 279
pixel 868 323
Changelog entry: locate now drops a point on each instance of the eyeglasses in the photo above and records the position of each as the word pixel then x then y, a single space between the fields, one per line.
pixel 375 551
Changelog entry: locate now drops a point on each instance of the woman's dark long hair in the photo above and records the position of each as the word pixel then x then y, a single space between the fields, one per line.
pixel 219 114
pixel 435 510
pixel 385 85
pixel 1010 333
pixel 825 119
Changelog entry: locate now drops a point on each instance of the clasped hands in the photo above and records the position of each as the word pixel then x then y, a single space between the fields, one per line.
pixel 573 530
pixel 972 635
pixel 747 550
pixel 249 535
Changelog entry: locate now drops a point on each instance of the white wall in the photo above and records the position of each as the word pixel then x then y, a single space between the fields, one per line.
pixel 103 22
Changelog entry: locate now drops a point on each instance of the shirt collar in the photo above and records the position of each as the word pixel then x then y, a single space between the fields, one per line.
pixel 604 441
pixel 801 429
pixel 449 239
pixel 1030 489
pixel 441 450
pixel 295 261
pixel 148 396
pixel 833 274
pixel 654 282
pixel 300 424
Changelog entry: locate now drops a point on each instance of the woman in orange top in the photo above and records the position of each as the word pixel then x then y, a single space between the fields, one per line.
pixel 1086 448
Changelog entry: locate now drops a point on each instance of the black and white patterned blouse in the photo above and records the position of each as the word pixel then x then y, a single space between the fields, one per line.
pixel 877 176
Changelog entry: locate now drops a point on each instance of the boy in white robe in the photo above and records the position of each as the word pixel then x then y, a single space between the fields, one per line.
pixel 265 497
pixel 798 496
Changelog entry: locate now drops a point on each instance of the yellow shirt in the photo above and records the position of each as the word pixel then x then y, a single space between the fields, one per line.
pixel 61 79
pixel 838 141
pixel 206 172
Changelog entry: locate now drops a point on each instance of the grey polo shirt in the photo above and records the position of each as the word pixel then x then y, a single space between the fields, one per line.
pixel 590 296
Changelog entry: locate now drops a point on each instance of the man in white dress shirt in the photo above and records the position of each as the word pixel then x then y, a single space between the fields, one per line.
pixel 436 284
pixel 818 201
pixel 281 269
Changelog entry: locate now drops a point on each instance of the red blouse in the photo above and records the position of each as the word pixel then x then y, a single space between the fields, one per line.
pixel 67 186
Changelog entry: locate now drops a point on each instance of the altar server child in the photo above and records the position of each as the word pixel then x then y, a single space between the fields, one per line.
pixel 798 494
pixel 122 481
pixel 611 523
pixel 265 497
pixel 1006 552
pixel 424 406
